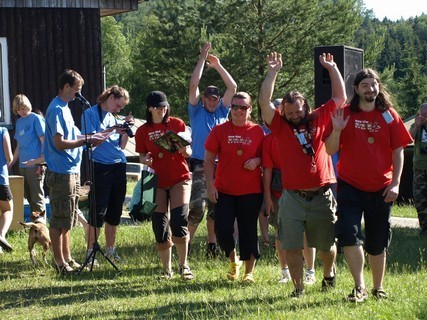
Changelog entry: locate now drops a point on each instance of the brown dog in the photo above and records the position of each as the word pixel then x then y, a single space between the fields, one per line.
pixel 39 233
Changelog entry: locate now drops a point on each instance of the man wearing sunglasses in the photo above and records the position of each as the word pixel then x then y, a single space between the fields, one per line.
pixel 206 111
pixel 307 203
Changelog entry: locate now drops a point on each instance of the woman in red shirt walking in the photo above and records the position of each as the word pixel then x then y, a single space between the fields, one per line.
pixel 174 183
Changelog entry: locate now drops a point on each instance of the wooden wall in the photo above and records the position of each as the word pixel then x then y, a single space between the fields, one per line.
pixel 44 42
pixel 107 7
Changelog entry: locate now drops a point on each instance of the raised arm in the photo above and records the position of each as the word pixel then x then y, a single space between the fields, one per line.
pixel 226 77
pixel 332 143
pixel 194 92
pixel 274 61
pixel 337 82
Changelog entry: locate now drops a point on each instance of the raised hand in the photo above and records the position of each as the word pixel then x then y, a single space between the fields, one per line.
pixel 205 51
pixel 274 61
pixel 213 61
pixel 327 60
pixel 338 121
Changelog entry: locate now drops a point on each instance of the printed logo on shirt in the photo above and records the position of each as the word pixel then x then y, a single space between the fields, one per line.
pixel 152 136
pixel 366 125
pixel 236 139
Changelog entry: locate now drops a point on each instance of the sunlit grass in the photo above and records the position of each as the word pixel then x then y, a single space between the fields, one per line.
pixel 29 292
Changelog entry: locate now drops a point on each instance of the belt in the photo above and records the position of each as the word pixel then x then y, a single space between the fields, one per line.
pixel 196 162
pixel 309 195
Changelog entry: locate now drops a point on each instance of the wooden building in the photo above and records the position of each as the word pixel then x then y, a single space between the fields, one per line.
pixel 39 39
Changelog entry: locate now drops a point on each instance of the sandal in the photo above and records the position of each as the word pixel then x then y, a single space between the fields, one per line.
pixel 73 264
pixel 65 269
pixel 379 293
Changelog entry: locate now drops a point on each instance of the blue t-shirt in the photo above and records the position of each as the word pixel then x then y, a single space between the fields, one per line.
pixel 95 120
pixel 28 132
pixel 202 122
pixel 4 174
pixel 60 121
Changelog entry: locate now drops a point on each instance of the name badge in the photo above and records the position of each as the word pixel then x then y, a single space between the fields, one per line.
pixel 301 138
pixel 388 117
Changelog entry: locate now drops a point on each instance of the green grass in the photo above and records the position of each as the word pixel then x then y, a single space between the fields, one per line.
pixel 29 292
pixel 404 211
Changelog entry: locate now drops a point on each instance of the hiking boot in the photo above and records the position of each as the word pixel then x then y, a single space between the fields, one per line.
pixel 212 250
pixel 297 293
pixel 328 283
pixel 233 274
pixel 286 276
pixel 5 245
pixel 309 278
pixel 357 295
pixel 379 294
pixel 248 278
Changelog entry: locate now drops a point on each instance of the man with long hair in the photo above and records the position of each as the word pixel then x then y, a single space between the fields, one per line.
pixel 370 136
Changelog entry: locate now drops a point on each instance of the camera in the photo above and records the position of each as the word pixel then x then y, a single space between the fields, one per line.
pixel 126 125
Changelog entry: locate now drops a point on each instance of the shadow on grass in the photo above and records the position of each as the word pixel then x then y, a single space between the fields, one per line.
pixel 407 252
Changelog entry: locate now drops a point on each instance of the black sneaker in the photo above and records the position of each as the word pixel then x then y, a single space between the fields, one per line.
pixel 328 283
pixel 357 295
pixel 379 294
pixel 212 250
pixel 298 293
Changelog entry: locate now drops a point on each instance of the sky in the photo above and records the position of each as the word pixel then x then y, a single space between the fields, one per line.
pixel 396 9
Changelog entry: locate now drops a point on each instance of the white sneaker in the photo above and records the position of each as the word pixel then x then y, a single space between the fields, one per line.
pixel 286 276
pixel 114 256
pixel 309 278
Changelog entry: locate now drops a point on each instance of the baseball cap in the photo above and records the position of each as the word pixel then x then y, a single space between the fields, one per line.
pixel 212 91
pixel 157 99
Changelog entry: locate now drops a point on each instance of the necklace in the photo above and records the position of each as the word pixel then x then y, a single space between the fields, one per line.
pixel 370 127
pixel 237 140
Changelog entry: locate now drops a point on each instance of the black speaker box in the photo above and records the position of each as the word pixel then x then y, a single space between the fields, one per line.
pixel 349 61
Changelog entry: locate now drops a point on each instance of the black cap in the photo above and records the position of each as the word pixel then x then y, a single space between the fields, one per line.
pixel 157 99
pixel 212 91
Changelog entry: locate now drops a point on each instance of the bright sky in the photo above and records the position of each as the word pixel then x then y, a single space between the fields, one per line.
pixel 396 9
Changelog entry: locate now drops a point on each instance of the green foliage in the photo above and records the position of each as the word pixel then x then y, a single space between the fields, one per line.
pixel 156 47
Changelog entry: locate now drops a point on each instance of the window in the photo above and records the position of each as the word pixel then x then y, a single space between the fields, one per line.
pixel 4 84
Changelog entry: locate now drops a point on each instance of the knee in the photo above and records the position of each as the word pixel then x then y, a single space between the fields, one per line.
pixel 195 215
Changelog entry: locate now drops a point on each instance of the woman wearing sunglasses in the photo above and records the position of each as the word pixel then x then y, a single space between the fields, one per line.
pixel 236 188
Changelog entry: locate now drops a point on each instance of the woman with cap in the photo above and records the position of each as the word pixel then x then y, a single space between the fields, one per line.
pixel 173 186
pixel 236 188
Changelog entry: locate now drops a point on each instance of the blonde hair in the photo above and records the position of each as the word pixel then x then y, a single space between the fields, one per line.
pixel 21 101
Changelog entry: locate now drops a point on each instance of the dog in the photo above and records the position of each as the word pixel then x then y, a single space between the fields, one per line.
pixel 39 233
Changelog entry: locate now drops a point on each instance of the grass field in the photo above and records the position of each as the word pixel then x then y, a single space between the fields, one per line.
pixel 29 292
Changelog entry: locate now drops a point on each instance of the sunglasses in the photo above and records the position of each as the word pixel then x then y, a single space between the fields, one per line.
pixel 237 107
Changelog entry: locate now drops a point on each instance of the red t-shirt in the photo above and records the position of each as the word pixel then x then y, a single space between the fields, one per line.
pixel 271 157
pixel 171 168
pixel 366 146
pixel 227 140
pixel 296 166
